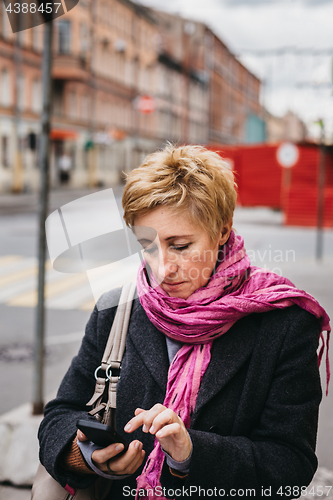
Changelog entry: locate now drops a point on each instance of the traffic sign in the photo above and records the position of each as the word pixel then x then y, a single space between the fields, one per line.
pixel 287 154
pixel 145 104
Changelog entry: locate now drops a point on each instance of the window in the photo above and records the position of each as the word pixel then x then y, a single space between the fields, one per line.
pixel 4 21
pixel 128 76
pixel 72 104
pixel 5 89
pixel 4 151
pixel 20 35
pixel 20 93
pixel 36 101
pixel 35 39
pixel 85 107
pixel 58 97
pixel 84 38
pixel 64 37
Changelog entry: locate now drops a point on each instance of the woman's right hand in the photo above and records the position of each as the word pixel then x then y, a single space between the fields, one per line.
pixel 106 459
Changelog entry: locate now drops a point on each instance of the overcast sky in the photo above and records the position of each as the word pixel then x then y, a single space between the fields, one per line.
pixel 270 24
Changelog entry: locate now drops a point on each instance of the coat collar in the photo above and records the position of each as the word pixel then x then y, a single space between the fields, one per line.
pixel 150 344
pixel 229 353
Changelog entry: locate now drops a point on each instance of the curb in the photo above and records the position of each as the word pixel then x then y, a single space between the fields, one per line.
pixel 19 447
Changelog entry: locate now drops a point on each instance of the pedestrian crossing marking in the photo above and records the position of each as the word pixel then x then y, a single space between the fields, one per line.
pixel 9 259
pixel 16 264
pixel 19 275
pixel 29 299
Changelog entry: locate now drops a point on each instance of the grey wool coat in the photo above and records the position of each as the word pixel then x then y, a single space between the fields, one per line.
pixel 255 422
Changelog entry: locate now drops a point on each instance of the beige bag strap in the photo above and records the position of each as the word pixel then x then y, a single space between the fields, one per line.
pixel 115 346
pixel 114 351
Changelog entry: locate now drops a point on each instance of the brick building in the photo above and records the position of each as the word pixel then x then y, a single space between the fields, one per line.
pixel 234 96
pixel 107 55
pixel 216 78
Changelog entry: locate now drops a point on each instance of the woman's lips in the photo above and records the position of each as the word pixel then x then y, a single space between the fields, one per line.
pixel 173 286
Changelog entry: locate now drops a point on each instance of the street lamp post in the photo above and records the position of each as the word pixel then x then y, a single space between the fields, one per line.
pixel 38 404
pixel 92 146
pixel 18 165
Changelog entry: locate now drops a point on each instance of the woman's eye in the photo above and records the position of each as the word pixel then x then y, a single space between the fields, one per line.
pixel 153 249
pixel 181 248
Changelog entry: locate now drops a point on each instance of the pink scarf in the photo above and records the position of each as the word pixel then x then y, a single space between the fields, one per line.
pixel 235 290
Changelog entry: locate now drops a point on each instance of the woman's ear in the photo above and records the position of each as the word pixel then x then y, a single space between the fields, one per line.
pixel 225 232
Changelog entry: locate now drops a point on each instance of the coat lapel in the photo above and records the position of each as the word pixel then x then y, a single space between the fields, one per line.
pixel 150 344
pixel 229 353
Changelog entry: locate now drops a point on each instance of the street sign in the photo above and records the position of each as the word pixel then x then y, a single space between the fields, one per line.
pixel 287 154
pixel 145 104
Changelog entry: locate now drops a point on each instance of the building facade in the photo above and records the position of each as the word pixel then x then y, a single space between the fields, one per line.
pixel 286 128
pixel 234 95
pixel 126 79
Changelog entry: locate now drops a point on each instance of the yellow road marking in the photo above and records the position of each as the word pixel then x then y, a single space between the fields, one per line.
pixel 29 299
pixel 9 259
pixel 20 275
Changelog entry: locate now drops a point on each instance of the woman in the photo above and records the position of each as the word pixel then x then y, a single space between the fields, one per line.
pixel 219 385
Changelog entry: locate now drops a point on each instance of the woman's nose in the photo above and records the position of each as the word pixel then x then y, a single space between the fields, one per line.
pixel 167 265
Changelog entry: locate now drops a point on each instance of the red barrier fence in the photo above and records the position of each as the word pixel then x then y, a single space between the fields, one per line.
pixel 262 181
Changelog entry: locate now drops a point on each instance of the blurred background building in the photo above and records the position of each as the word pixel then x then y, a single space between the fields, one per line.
pixel 126 79
pixel 288 127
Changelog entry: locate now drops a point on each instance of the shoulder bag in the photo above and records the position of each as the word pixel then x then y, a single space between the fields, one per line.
pixel 45 487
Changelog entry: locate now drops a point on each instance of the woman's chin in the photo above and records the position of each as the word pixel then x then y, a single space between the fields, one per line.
pixel 182 293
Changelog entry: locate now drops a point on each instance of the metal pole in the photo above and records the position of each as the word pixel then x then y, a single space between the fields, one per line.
pixel 321 195
pixel 18 165
pixel 92 153
pixel 38 404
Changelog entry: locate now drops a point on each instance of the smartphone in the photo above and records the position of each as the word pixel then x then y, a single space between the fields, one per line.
pixel 100 434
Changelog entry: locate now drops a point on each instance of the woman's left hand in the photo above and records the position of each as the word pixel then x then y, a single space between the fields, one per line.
pixel 167 427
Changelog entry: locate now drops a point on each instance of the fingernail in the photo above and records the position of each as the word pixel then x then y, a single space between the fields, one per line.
pixel 158 434
pixel 137 445
pixel 119 447
pixel 127 427
pixel 152 429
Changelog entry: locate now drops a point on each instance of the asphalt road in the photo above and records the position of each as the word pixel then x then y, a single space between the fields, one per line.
pixel 288 251
pixel 64 327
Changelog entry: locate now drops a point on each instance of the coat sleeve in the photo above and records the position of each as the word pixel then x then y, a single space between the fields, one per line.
pixel 58 428
pixel 278 453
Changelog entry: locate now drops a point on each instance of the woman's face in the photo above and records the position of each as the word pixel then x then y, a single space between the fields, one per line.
pixel 182 256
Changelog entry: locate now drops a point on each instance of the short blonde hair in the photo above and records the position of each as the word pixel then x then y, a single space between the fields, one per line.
pixel 187 178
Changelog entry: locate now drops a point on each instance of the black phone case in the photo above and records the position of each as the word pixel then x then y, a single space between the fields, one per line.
pixel 100 434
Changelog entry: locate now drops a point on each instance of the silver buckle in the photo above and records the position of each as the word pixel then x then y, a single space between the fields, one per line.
pixel 108 372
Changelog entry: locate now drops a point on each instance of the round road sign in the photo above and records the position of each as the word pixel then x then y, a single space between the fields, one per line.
pixel 145 104
pixel 287 154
